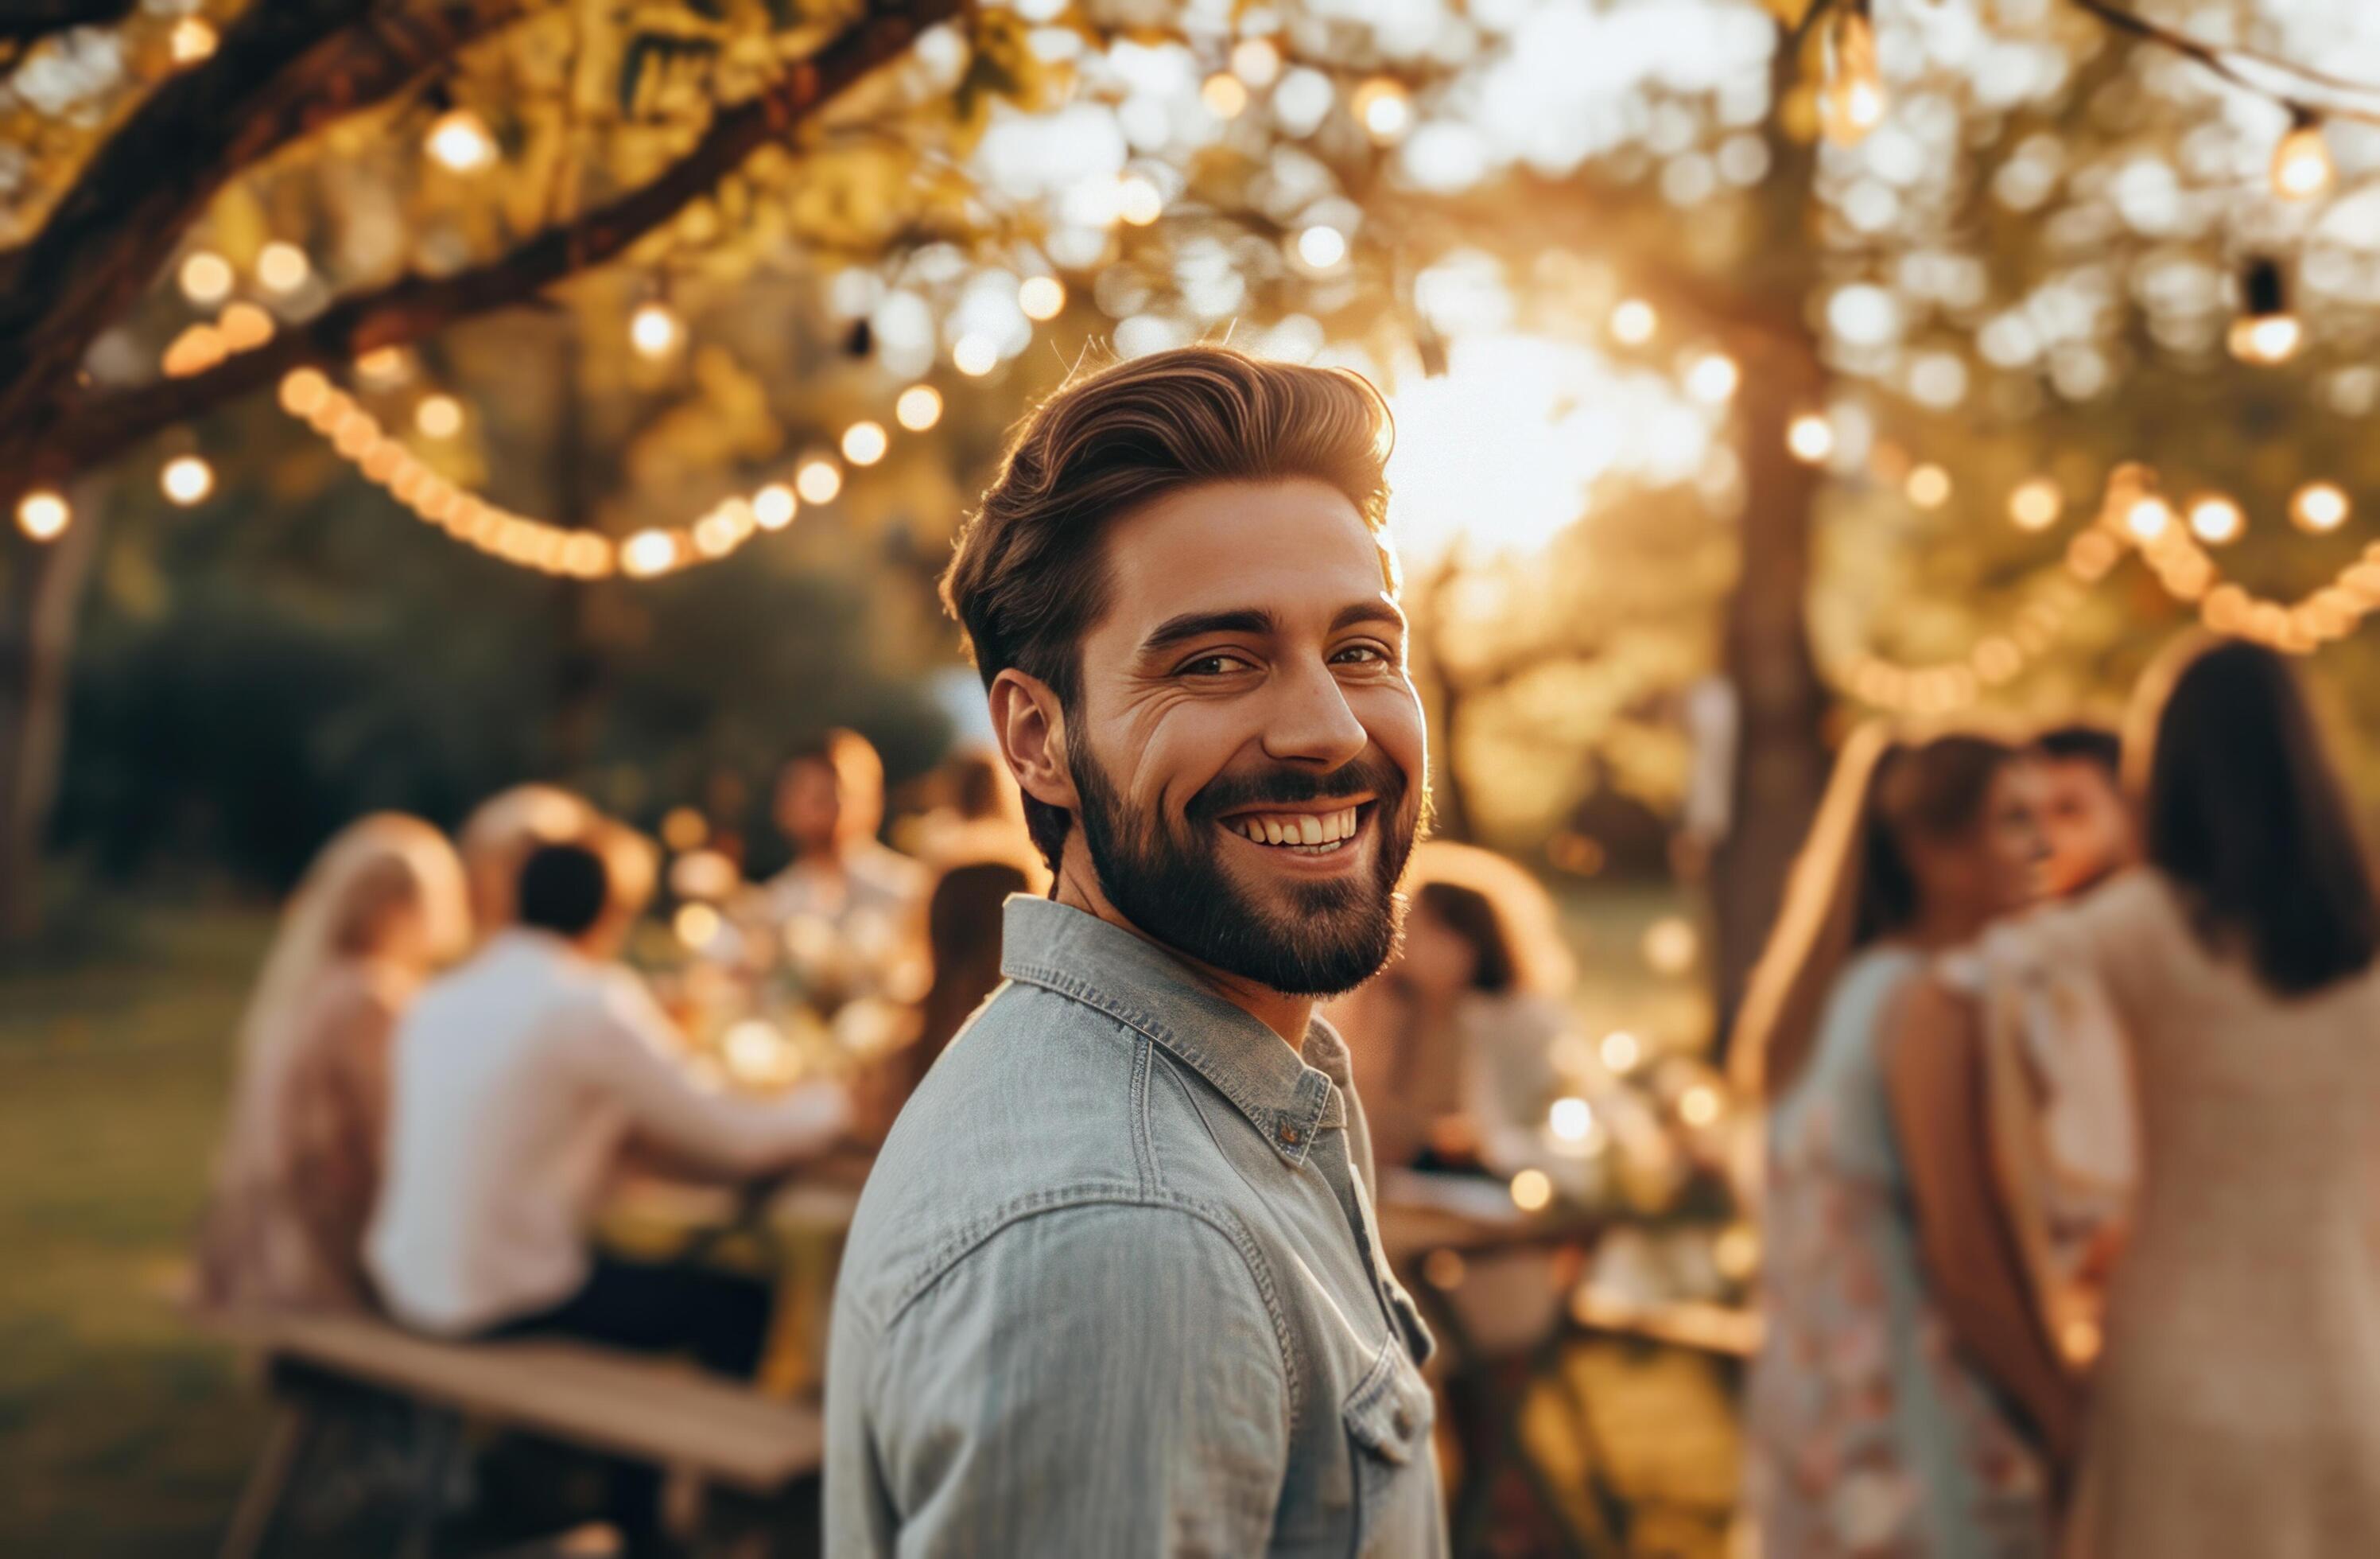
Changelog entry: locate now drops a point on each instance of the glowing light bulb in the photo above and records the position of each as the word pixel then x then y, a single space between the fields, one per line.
pixel 1041 298
pixel 1633 322
pixel 2215 519
pixel 1853 101
pixel 647 553
pixel 1384 108
pixel 695 924
pixel 283 267
pixel 1570 1119
pixel 773 506
pixel 1255 61
pixel 439 417
pixel 43 515
pixel 206 277
pixel 1810 438
pixel 2301 165
pixel 2149 517
pixel 244 327
pixel 303 390
pixel 459 142
pixel 863 443
pixel 1225 95
pixel 1532 1191
pixel 1620 1050
pixel 192 40
pixel 1713 378
pixel 1670 945
pixel 974 355
pixel 1928 486
pixel 1699 1105
pixel 653 330
pixel 187 479
pixel 2036 503
pixel 2265 331
pixel 1138 202
pixel 1322 247
pixel 919 408
pixel 2320 507
pixel 817 480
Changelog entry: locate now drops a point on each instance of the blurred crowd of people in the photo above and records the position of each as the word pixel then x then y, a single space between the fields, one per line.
pixel 2067 1056
pixel 449 1057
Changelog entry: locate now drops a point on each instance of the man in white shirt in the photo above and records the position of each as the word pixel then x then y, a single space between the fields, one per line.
pixel 514 1082
pixel 843 886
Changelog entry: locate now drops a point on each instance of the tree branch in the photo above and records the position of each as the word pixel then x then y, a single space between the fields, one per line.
pixel 283 69
pixel 415 307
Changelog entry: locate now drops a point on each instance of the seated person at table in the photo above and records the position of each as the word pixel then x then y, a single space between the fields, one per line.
pixel 518 1080
pixel 382 906
pixel 500 834
pixel 830 803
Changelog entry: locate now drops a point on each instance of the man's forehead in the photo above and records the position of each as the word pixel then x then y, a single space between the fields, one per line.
pixel 1293 547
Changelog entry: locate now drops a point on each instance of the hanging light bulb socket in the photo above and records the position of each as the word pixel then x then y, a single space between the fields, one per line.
pixel 2265 332
pixel 1852 101
pixel 2301 165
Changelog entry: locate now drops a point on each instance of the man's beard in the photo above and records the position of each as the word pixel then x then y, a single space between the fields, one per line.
pixel 1333 936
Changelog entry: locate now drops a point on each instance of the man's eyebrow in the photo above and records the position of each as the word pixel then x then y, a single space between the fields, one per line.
pixel 1197 624
pixel 1369 611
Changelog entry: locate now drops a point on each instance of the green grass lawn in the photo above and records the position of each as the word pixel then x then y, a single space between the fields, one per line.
pixel 121 1432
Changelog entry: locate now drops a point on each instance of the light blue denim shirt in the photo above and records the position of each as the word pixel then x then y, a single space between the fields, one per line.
pixel 1115 1286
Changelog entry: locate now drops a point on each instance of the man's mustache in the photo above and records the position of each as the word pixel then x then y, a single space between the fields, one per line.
pixel 1370 774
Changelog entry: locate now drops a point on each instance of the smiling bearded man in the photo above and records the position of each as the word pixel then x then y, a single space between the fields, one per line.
pixel 1115 1285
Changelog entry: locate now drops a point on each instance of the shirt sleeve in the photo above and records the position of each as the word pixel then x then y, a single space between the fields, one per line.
pixel 1099 1379
pixel 628 1055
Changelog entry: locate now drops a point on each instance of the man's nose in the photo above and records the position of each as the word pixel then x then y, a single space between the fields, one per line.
pixel 1311 723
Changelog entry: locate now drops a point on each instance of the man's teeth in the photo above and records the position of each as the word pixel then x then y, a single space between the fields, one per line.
pixel 1322 830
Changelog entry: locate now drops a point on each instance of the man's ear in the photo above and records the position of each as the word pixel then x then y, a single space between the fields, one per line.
pixel 1032 728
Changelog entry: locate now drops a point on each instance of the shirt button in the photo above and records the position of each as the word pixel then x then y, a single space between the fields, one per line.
pixel 1289 1136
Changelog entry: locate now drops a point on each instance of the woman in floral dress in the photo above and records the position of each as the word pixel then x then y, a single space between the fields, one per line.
pixel 1870 1431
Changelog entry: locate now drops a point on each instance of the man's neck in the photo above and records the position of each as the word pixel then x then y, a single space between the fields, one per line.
pixel 1079 888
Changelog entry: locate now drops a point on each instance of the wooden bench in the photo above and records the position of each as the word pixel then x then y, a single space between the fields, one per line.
pixel 700 1432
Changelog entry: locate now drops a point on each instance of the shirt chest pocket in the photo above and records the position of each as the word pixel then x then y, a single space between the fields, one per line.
pixel 1388 1417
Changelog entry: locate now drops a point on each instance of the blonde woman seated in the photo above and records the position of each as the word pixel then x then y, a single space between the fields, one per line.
pixel 300 1164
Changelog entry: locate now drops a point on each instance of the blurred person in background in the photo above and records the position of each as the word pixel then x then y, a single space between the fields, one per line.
pixel 499 837
pixel 518 1079
pixel 830 803
pixel 2236 1408
pixel 382 904
pixel 2083 811
pixel 963 917
pixel 1452 1044
pixel 1894 1408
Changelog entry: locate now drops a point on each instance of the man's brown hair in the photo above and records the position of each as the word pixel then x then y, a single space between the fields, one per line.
pixel 1029 578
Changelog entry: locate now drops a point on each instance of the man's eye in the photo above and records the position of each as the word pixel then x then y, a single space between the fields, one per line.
pixel 1214 665
pixel 1361 655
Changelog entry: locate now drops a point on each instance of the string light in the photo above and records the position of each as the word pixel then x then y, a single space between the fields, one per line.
pixel 282 267
pixel 653 330
pixel 1041 298
pixel 1699 1105
pixel 974 355
pixel 1139 202
pixel 2301 165
pixel 2148 516
pixel 1853 102
pixel 187 479
pixel 919 408
pixel 1620 1050
pixel 1255 61
pixel 817 480
pixel 206 278
pixel 1928 486
pixel 192 40
pixel 1384 108
pixel 439 417
pixel 1570 1119
pixel 647 553
pixel 1225 95
pixel 1532 1190
pixel 2319 506
pixel 1713 378
pixel 1810 438
pixel 459 142
pixel 863 443
pixel 245 327
pixel 2215 519
pixel 43 515
pixel 1322 247
pixel 773 506
pixel 2035 503
pixel 2265 331
pixel 1633 322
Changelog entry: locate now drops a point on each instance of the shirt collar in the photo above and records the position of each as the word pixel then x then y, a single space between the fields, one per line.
pixel 1133 981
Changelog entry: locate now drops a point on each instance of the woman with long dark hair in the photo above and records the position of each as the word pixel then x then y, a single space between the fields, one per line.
pixel 2236 1406
pixel 1868 1431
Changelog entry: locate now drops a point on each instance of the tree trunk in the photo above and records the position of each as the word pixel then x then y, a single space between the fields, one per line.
pixel 44 600
pixel 1781 754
